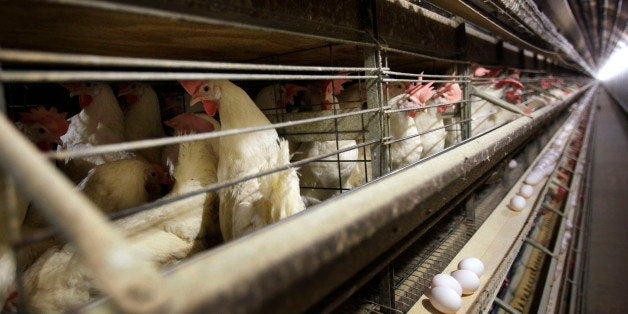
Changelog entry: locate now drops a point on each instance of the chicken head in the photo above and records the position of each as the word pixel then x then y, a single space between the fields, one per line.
pixel 206 92
pixel 158 180
pixel 44 127
pixel 291 90
pixel 131 91
pixel 325 90
pixel 190 123
pixel 418 95
pixel 513 89
pixel 85 90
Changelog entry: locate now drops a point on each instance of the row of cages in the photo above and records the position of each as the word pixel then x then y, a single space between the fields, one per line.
pixel 410 274
pixel 184 160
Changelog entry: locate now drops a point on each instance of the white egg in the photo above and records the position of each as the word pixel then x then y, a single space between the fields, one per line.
pixel 473 264
pixel 445 299
pixel 517 203
pixel 534 177
pixel 444 280
pixel 512 164
pixel 468 280
pixel 526 190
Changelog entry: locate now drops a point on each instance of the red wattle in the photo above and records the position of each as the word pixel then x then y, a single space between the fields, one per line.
pixel 210 106
pixel 85 100
pixel 44 146
pixel 130 99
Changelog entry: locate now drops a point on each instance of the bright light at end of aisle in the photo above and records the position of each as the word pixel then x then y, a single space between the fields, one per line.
pixel 616 64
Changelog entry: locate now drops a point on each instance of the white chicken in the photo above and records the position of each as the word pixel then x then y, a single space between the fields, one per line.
pixel 486 115
pixel 323 179
pixel 406 146
pixel 429 121
pixel 255 203
pixel 354 96
pixel 44 128
pixel 58 280
pixel 274 100
pixel 188 123
pixel 142 117
pixel 123 184
pixel 99 122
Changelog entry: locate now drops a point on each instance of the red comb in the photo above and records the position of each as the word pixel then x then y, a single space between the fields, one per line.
pixel 509 81
pixel 336 88
pixel 190 122
pixel 480 71
pixel 494 72
pixel 421 93
pixel 54 121
pixel 293 89
pixel 191 86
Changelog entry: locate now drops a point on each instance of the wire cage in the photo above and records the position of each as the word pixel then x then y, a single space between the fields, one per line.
pixel 347 103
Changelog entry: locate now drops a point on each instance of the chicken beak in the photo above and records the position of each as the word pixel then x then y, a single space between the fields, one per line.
pixel 195 101
pixel 210 106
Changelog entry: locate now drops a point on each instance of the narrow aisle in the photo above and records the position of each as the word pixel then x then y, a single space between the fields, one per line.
pixel 606 290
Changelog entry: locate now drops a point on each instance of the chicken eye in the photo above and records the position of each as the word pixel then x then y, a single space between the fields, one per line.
pixel 153 174
pixel 41 130
pixel 206 88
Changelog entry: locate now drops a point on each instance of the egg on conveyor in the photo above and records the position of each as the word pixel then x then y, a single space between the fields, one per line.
pixel 512 164
pixel 526 190
pixel 468 280
pixel 517 203
pixel 473 264
pixel 534 177
pixel 444 280
pixel 445 299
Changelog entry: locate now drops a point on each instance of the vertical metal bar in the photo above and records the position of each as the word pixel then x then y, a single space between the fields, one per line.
pixel 3 103
pixel 11 222
pixel 470 206
pixel 499 52
pixel 387 290
pixel 465 108
pixel 379 156
pixel 522 59
pixel 464 69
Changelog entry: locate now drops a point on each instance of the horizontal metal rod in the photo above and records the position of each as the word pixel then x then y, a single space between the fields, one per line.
pixel 9 76
pixel 110 148
pixel 389 111
pixel 553 210
pixel 540 247
pixel 25 56
pixel 388 80
pixel 505 306
pixel 291 276
pixel 498 102
pixel 385 71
